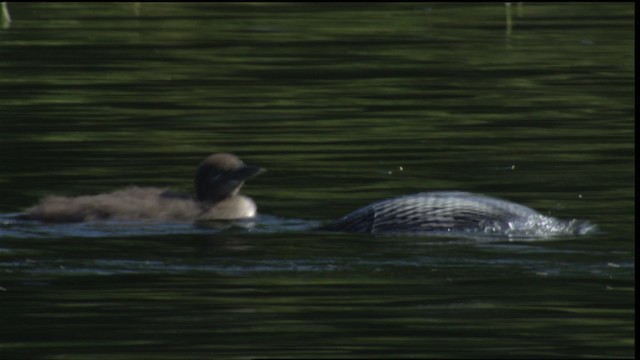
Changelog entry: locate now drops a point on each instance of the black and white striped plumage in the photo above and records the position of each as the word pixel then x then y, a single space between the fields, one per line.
pixel 444 212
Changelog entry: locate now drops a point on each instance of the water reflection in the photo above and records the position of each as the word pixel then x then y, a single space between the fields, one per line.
pixel 333 99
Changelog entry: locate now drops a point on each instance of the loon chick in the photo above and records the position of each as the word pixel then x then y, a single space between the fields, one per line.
pixel 452 212
pixel 217 183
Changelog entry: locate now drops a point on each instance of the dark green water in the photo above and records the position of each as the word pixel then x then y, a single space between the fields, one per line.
pixel 344 105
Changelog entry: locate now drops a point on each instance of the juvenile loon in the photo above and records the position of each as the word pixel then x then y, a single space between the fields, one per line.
pixel 217 184
pixel 453 212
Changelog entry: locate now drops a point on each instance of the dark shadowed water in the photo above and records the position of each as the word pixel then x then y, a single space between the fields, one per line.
pixel 344 104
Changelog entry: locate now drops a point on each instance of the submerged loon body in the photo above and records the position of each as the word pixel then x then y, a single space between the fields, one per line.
pixel 451 213
pixel 217 184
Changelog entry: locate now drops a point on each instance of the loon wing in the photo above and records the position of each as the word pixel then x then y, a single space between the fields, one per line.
pixel 434 211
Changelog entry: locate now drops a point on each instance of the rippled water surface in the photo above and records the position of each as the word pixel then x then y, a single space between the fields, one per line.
pixel 344 104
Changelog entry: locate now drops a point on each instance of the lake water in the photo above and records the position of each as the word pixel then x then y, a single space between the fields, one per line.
pixel 344 104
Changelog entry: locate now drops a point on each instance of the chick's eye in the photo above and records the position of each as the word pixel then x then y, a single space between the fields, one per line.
pixel 214 177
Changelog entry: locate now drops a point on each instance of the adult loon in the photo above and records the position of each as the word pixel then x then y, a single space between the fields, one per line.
pixel 217 185
pixel 447 212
